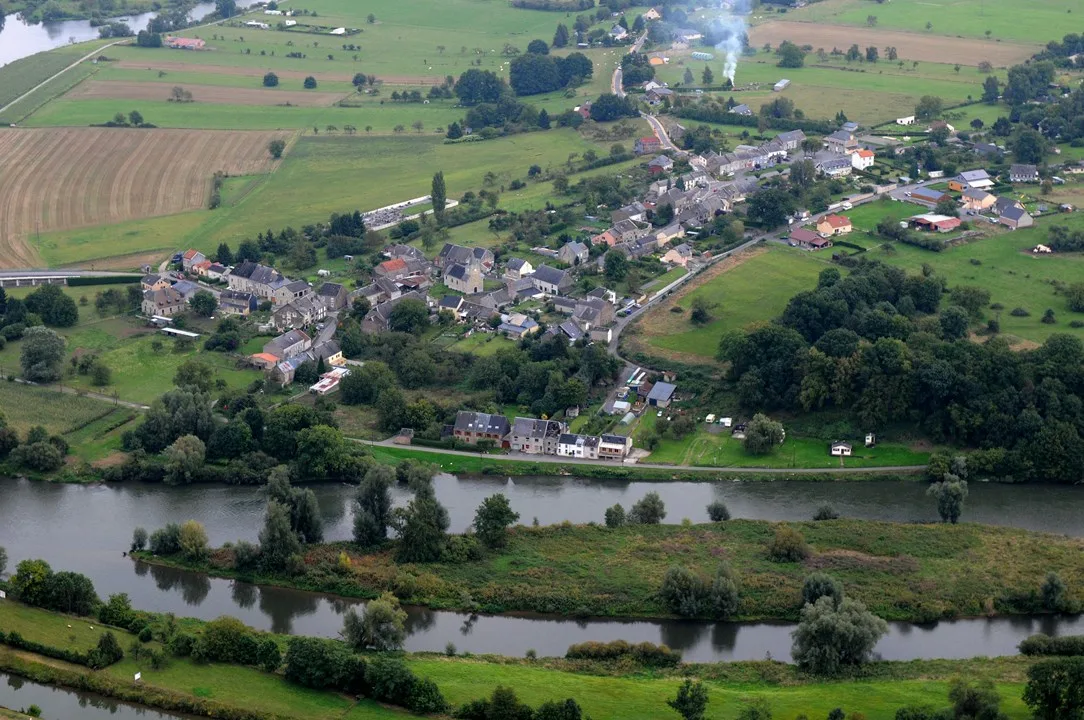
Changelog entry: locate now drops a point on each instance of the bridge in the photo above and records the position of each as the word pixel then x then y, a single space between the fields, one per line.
pixel 32 278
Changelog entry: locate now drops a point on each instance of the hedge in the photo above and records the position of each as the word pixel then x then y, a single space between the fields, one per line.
pixel 106 280
pixel 1040 644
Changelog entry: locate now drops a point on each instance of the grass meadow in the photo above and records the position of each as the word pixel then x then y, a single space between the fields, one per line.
pixel 19 76
pixel 25 406
pixel 1005 19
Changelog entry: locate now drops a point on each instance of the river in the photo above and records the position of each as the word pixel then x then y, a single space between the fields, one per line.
pixel 87 528
pixel 20 39
pixel 63 704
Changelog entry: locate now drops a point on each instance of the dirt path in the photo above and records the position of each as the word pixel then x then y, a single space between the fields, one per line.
pixel 177 66
pixel 911 46
pixel 215 94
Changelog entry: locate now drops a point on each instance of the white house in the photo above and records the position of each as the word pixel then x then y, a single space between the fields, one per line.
pixel 908 120
pixel 841 449
pixel 862 159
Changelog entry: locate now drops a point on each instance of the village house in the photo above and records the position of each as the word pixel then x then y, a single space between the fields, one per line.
pixel 628 230
pixel 464 278
pixel 665 234
pixel 660 164
pixel 573 253
pixel 841 142
pixel 606 237
pixel 535 437
pixel 581 447
pixel 1023 174
pixel 473 427
pixel 180 43
pixel 1015 218
pixel 977 200
pixel 452 304
pixel 592 312
pixel 1004 203
pixel 830 225
pixel 379 317
pixel 841 449
pixel 971 179
pixel 457 254
pixel 333 296
pixel 190 258
pixel 603 294
pixel 655 96
pixel 153 282
pixel 200 269
pixel 518 268
pixel 652 14
pixel 614 447
pixel 291 291
pixel 288 345
pixel 163 302
pixel 634 211
pixel 518 325
pixel 927 196
pixel 835 168
pixel 235 302
pixel 678 255
pixel 806 238
pixel 862 159
pixel 303 311
pixel 260 280
pixel 618 33
pixel 403 252
pixel 551 281
pixel 216 271
pixel 650 144
pixel 743 110
pixel 393 269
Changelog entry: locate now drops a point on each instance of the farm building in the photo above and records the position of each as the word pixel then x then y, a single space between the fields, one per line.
pixel 841 449
pixel 927 196
pixel 934 223
pixel 702 55
pixel 971 179
pixel 781 85
pixel 1023 174
pixel 742 109
pixel 833 225
pixel 661 395
pixel 179 43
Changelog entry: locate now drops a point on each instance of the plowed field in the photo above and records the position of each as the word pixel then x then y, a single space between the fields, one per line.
pixel 64 178
pixel 98 89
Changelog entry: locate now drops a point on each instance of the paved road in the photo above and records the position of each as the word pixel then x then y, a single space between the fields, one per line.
pixel 654 466
pixel 660 131
pixel 53 77
pixel 27 274
pixel 615 81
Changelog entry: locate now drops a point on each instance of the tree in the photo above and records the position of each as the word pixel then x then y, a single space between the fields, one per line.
pixel 1029 146
pixel 649 510
pixel 479 86
pixel 616 265
pixel 53 306
pixel 610 107
pixel 950 494
pixel 410 316
pixel 560 37
pixel 929 107
pixel 701 314
pixel 278 541
pixel 139 541
pixel 3 560
pixel 135 118
pixel 979 701
pixel 193 540
pixel 381 628
pixel 872 54
pixel 762 434
pixel 946 206
pixel 991 90
pixel 204 303
pixel 820 585
pixel 688 77
pixel 1054 687
pixel 275 147
pixel 421 526
pixel 226 8
pixel 718 511
pixel 1074 294
pixel 543 119
pixel 831 637
pixel 41 355
pixel 372 506
pixel 707 77
pixel 224 255
pixel 492 519
pixel 538 47
pixel 790 55
pixel 691 701
pixel 615 516
pixel 364 385
pixel 1054 593
pixel 770 208
pixel 270 80
pixel 184 460
pixel 309 83
pixel 439 195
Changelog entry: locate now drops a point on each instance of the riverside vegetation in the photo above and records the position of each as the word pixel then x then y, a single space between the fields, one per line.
pixel 634 565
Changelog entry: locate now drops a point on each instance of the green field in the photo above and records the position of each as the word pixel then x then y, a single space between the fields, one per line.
pixel 20 76
pixel 719 449
pixel 1043 20
pixel 603 693
pixel 25 407
pixel 756 290
pixel 900 571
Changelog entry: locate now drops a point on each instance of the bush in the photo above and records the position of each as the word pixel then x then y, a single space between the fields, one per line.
pixel 650 510
pixel 1069 645
pixel 106 652
pixel 644 653
pixel 146 634
pixel 832 637
pixel 1019 312
pixel 182 644
pixel 228 640
pixel 426 698
pixel 825 512
pixel 718 511
pixel 390 680
pixel 820 585
pixel 615 516
pixel 787 545
pixel 1053 593
pixel 691 595
pixel 324 664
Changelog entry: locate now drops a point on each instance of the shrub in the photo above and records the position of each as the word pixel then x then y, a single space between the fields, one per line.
pixel 825 512
pixel 106 652
pixel 644 653
pixel 1053 593
pixel 787 545
pixel 615 516
pixel 1068 645
pixel 649 510
pixel 1019 312
pixel 323 664
pixel 139 539
pixel 146 634
pixel 182 644
pixel 426 698
pixel 718 511
pixel 832 637
pixel 820 585
pixel 390 680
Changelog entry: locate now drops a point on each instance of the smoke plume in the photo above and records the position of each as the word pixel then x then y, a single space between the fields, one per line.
pixel 730 28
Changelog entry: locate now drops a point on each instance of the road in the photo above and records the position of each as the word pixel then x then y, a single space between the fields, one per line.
pixel 615 81
pixel 522 457
pixel 53 77
pixel 93 395
pixel 28 274
pixel 660 131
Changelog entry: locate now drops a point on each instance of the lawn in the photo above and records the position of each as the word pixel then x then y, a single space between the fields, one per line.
pixel 482 344
pixel 123 246
pixel 61 631
pixel 754 288
pixel 719 449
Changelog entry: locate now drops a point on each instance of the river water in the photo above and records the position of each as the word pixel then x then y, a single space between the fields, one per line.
pixel 63 704
pixel 19 39
pixel 87 528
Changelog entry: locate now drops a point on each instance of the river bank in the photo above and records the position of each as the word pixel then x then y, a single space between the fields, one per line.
pixel 906 572
pixel 604 690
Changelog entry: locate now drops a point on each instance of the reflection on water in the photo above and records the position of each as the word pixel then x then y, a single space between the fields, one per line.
pixel 19 39
pixel 62 704
pixel 87 528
